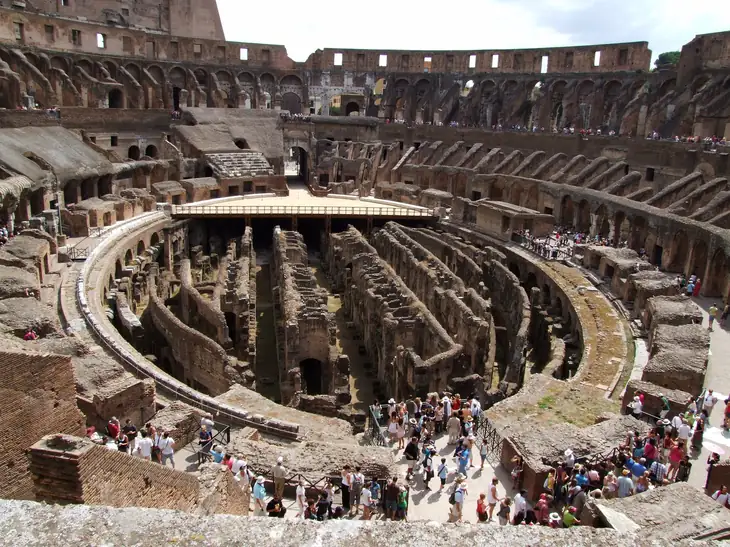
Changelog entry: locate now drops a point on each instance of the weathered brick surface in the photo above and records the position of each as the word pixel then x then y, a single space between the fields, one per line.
pixel 37 397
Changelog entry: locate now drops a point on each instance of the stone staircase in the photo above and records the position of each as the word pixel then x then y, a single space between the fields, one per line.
pixel 240 164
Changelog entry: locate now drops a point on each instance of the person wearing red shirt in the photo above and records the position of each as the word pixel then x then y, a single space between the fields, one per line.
pixel 113 428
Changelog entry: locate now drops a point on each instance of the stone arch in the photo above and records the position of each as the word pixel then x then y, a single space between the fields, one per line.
pixel 140 247
pixel 698 263
pixel 133 152
pixel 678 252
pixel 118 269
pixel 603 225
pixel 116 98
pixel 246 78
pixel 157 73
pixel 128 257
pixel 178 77
pixel 86 65
pixel 352 108
pixel 716 283
pixel 224 77
pixel 154 239
pixel 134 71
pixel 312 374
pixel 291 102
pixel 584 216
pixel 291 80
pixel 268 82
pixel 111 68
pixel 567 211
pixel 151 151
pixel 667 86
pixel 201 77
pixel 60 63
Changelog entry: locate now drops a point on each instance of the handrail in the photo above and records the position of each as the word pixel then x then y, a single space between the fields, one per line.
pixel 301 210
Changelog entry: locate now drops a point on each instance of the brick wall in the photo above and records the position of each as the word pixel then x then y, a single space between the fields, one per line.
pixel 37 397
pixel 71 469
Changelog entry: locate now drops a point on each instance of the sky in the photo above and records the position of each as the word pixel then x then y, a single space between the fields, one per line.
pixel 304 27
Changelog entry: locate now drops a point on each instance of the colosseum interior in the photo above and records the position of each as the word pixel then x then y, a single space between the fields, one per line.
pixel 193 229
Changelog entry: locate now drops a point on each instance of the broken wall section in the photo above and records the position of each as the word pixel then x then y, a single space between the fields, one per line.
pixel 306 330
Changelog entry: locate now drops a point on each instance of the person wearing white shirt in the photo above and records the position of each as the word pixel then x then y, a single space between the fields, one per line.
pixel 238 464
pixel 709 402
pixel 143 448
pixel 721 496
pixel 683 433
pixel 520 510
pixel 301 498
pixel 166 449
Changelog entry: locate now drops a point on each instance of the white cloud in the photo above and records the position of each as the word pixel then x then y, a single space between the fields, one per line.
pixel 469 24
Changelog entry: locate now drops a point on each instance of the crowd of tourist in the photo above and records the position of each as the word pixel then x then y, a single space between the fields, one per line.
pixel 147 443
pixel 5 235
pixel 288 117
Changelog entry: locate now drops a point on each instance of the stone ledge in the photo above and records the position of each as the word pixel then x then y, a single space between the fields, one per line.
pixel 31 524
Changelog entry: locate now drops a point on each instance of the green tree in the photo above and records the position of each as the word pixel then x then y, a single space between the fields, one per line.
pixel 667 58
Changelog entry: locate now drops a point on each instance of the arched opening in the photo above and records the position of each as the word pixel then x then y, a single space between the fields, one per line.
pixel 116 98
pixel 530 282
pixel 133 152
pixel 678 253
pixel 118 270
pixel 176 98
pixel 299 163
pixel 566 211
pixel 545 295
pixel 242 144
pixel 292 103
pixel 154 240
pixel 699 259
pixel 352 109
pixel 87 188
pixel 71 192
pixel 140 247
pixel 128 257
pixel 584 217
pixel 151 151
pixel 515 269
pixel 716 284
pixel 312 372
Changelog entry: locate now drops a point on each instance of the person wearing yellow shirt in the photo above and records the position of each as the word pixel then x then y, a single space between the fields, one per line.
pixel 713 314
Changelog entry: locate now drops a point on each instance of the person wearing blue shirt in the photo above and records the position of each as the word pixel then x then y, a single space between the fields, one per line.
pixel 582 478
pixel 638 469
pixel 463 461
pixel 259 494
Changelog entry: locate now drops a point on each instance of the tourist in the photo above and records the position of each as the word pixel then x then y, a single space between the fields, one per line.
pixel 520 511
pixel 483 451
pixel 112 428
pixel 392 489
pixel 657 472
pixel 610 486
pixel 324 507
pixel 699 431
pixel 279 473
pixel 457 498
pixel 205 440
pixel 428 467
pixel 464 457
pixel 482 511
pixel 311 512
pixel 721 496
pixel 625 485
pixel 713 315
pixel 329 491
pixel 411 454
pixel 367 501
pixel 492 497
pixel 156 445
pixel 402 504
pixel 683 470
pixel 443 471
pixel 30 335
pixel 393 427
pixel 130 430
pixel 123 443
pixel 697 287
pixel 709 402
pixel 401 433
pixel 636 407
pixel 438 418
pixel 167 450
pixel 259 495
pixel 683 434
pixel 453 428
pixel 143 447
pixel 275 507
pixel 357 481
pixel 516 473
pixel 569 518
pixel 374 495
pixel 207 421
pixel 504 511
pixel 301 499
pixel 725 313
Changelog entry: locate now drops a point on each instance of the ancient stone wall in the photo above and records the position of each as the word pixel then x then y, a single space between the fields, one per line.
pixel 443 293
pixel 202 361
pixel 412 351
pixel 307 328
pixel 37 397
pixel 202 314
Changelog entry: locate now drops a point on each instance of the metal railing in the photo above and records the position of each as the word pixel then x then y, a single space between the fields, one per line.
pixel 376 431
pixel 487 432
pixel 297 210
pixel 223 437
pixel 548 247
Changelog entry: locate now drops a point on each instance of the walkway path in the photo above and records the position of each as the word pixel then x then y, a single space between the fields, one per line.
pixel 717 379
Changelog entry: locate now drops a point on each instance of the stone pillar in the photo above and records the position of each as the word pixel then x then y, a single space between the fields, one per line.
pixel 594 224
pixel 611 230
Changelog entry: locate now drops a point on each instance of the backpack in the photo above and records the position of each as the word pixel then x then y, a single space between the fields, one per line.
pixel 357 480
pixel 452 498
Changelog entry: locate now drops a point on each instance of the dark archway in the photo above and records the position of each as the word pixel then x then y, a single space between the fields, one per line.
pixel 242 144
pixel 352 108
pixel 151 151
pixel 133 152
pixel 678 252
pixel 292 103
pixel 567 211
pixel 154 240
pixel 128 257
pixel 299 156
pixel 118 270
pixel 176 98
pixel 116 98
pixel 311 372
pixel 140 247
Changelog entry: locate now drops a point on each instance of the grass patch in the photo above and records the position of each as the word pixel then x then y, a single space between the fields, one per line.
pixel 546 402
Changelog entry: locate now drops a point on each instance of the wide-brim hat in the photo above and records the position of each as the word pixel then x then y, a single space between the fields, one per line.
pixel 260 480
pixel 664 421
pixel 412 421
pixel 391 401
pixel 460 477
pixel 469 419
